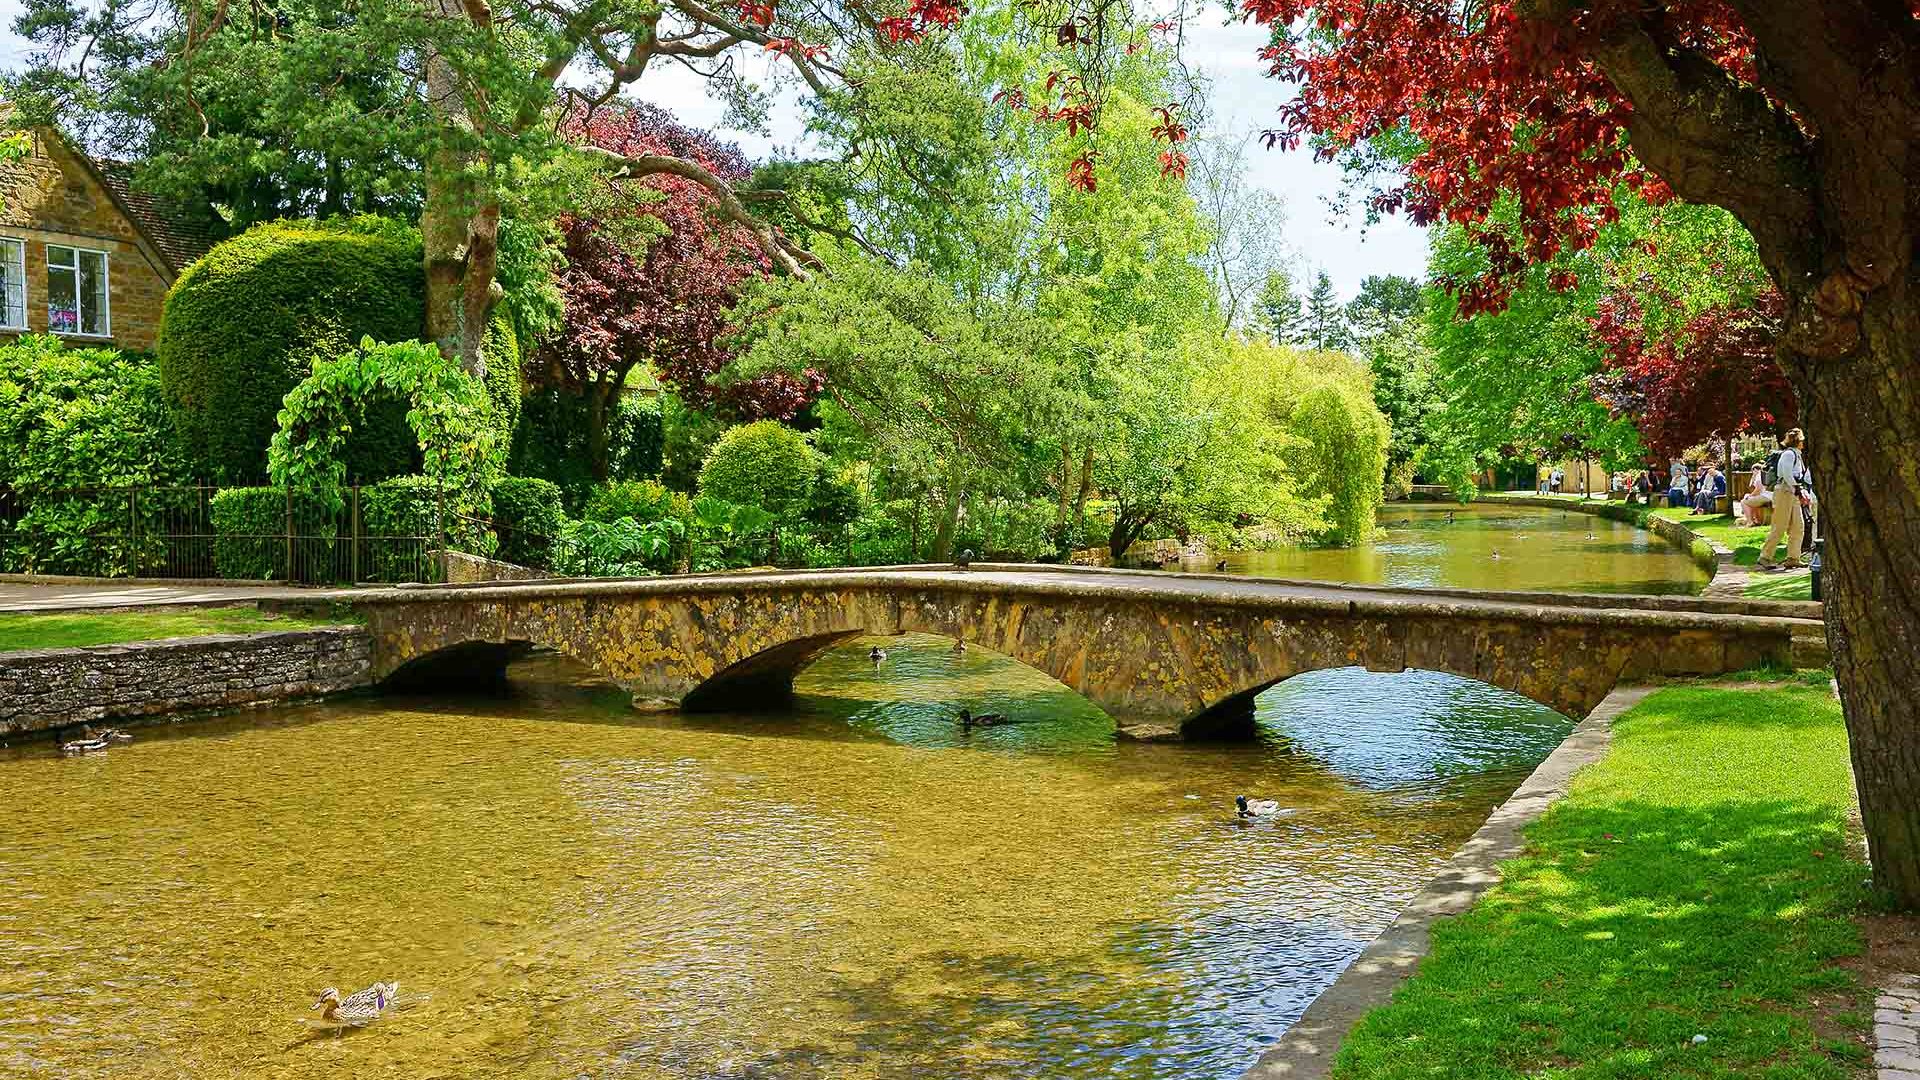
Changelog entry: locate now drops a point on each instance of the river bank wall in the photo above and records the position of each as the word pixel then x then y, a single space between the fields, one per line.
pixel 45 690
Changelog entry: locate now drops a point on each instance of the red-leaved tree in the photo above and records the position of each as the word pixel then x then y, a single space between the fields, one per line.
pixel 1715 377
pixel 663 304
pixel 1802 119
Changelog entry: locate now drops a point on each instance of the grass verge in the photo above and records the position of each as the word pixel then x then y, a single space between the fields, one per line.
pixel 62 630
pixel 1719 528
pixel 1789 586
pixel 1697 881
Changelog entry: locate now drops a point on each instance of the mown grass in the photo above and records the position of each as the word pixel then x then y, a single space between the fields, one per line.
pixel 1719 528
pixel 1788 586
pixel 60 630
pixel 1697 881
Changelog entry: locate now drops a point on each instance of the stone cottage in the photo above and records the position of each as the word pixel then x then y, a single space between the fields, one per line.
pixel 82 253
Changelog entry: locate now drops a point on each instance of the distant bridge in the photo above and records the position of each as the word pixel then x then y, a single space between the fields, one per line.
pixel 1164 654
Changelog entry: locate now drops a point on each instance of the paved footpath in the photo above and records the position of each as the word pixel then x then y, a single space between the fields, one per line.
pixel 1896 1029
pixel 20 596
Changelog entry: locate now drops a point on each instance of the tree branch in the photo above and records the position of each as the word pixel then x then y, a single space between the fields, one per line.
pixel 772 243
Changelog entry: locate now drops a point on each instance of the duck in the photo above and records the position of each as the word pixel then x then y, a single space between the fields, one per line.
pixel 1591 536
pixel 1495 555
pixel 961 560
pixel 959 647
pixel 358 1008
pixel 969 721
pixel 114 734
pixel 1449 517
pixel 78 747
pixel 1256 808
pixel 876 654
pixel 1220 566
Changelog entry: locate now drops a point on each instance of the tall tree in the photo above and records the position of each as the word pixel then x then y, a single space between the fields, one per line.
pixel 1802 120
pixel 1324 324
pixel 650 273
pixel 1281 315
pixel 473 92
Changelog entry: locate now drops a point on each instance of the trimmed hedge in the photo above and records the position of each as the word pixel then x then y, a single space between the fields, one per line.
pixel 401 518
pixel 250 537
pixel 244 324
pixel 527 516
pixel 241 326
pixel 763 464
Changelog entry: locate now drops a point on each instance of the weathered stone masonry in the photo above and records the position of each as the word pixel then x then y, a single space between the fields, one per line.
pixel 45 689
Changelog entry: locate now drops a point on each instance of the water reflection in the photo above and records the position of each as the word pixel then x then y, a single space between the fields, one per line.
pixel 1434 545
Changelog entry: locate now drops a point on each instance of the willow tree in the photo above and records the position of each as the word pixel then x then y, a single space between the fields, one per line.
pixel 472 92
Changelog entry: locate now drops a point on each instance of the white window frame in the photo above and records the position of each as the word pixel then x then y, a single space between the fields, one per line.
pixel 106 294
pixel 16 262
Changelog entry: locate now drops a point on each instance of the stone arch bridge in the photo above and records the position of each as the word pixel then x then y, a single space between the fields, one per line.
pixel 1164 654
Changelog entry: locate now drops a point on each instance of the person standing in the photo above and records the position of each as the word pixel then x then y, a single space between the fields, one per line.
pixel 1788 472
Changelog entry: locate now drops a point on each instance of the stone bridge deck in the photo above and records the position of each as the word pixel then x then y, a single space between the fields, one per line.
pixel 1162 653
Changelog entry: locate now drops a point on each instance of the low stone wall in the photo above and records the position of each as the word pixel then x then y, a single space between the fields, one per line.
pixel 464 569
pixel 47 689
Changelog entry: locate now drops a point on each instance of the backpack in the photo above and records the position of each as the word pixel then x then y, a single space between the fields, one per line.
pixel 1770 476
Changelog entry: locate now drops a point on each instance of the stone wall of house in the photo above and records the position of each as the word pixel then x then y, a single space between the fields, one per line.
pixel 51 198
pixel 47 689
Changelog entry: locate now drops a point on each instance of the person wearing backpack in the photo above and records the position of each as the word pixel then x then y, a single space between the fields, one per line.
pixel 1786 472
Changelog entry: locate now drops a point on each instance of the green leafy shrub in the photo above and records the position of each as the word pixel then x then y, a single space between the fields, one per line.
pixel 74 423
pixel 401 521
pixel 642 500
pixel 726 535
pixel 635 439
pixel 242 325
pixel 763 464
pixel 687 435
pixel 551 442
pixel 527 517
pixel 449 413
pixel 251 526
pixel 619 548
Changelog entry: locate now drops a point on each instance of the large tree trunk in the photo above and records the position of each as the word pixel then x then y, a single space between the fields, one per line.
pixel 1863 415
pixel 459 221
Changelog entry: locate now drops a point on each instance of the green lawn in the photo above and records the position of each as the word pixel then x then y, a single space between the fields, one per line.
pixel 1719 528
pixel 1696 881
pixel 34 630
pixel 1789 586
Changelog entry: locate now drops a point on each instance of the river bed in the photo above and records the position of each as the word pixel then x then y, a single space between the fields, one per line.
pixel 565 888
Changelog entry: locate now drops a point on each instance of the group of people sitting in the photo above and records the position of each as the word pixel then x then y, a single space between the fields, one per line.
pixel 1780 486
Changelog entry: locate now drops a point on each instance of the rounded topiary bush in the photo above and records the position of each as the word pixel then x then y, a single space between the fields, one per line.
pixel 243 324
pixel 763 464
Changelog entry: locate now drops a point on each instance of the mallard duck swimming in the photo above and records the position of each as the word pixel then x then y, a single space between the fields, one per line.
pixel 959 647
pixel 876 654
pixel 969 720
pixel 84 746
pixel 1220 566
pixel 358 1008
pixel 1256 808
pixel 1495 555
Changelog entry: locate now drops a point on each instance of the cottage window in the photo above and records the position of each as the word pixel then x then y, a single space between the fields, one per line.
pixel 76 291
pixel 13 284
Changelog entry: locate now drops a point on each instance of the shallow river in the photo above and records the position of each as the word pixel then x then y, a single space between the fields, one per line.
pixel 566 889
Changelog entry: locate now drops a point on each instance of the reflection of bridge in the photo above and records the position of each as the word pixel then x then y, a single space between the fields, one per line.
pixel 1162 653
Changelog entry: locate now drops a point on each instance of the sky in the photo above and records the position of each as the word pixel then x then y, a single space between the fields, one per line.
pixel 1243 101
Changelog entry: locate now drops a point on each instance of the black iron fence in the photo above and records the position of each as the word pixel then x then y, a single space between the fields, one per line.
pixel 256 534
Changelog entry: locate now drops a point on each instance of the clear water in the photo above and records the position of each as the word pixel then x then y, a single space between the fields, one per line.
pixel 567 889
pixel 1430 544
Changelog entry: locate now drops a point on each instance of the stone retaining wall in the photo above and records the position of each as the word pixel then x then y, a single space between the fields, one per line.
pixel 46 689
